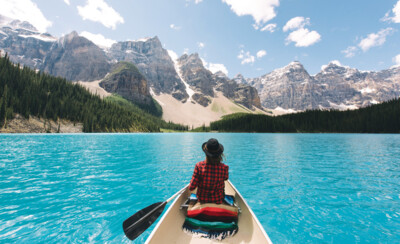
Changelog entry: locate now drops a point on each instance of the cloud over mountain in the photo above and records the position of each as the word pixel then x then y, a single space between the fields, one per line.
pixel 262 11
pixel 375 39
pixel 25 10
pixel 100 11
pixel 301 36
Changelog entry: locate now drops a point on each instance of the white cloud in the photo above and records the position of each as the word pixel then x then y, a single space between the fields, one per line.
pixel 246 57
pixel 303 37
pixel 296 23
pixel 25 10
pixel 195 1
pixel 98 39
pixel 270 27
pixel 186 50
pixel 375 39
pixel 214 68
pixel 67 2
pixel 174 27
pixel 100 11
pixel 201 45
pixel 262 11
pixel 350 52
pixel 261 53
pixel 396 14
pixel 396 60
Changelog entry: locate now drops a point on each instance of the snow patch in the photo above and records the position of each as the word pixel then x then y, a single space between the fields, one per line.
pixel 288 111
pixel 374 101
pixel 40 37
pixel 145 39
pixel 174 58
pixel 342 106
pixel 367 90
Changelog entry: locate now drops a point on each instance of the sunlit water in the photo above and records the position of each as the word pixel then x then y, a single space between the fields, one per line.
pixel 304 188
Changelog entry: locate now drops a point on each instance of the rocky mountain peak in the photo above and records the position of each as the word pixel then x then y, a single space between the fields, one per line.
pixel 193 60
pixel 76 58
pixel 335 67
pixel 126 80
pixel 23 43
pixel 295 65
pixel 239 79
pixel 154 62
pixel 221 74
pixel 17 24
pixel 69 37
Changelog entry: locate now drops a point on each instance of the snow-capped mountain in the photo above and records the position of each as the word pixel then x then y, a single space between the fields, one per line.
pixel 335 86
pixel 186 79
pixel 23 43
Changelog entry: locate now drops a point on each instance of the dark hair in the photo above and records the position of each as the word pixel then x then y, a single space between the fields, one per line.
pixel 215 160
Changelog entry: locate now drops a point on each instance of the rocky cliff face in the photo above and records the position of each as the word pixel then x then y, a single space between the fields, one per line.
pixel 199 78
pixel 291 87
pixel 238 92
pixel 288 87
pixel 336 87
pixel 153 62
pixel 126 80
pixel 23 43
pixel 76 58
pixel 204 82
pixel 353 88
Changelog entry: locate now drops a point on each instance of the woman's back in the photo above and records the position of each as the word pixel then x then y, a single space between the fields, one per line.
pixel 209 175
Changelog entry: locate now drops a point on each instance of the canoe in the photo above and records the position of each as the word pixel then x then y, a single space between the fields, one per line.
pixel 169 228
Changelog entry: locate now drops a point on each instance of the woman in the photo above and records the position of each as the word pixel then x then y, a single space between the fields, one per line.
pixel 209 175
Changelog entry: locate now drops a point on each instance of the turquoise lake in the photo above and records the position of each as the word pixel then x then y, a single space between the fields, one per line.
pixel 304 188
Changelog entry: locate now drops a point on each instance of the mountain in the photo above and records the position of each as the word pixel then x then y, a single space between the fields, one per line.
pixel 335 86
pixel 126 80
pixel 154 62
pixel 179 82
pixel 199 78
pixel 204 83
pixel 240 93
pixel 358 88
pixel 23 43
pixel 76 58
pixel 287 87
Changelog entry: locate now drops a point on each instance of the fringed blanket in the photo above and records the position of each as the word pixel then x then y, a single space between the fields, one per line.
pixel 210 220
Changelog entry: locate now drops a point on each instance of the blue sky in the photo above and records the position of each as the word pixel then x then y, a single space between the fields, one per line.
pixel 251 37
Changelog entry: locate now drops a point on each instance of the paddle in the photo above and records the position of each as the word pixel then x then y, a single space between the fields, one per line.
pixel 135 225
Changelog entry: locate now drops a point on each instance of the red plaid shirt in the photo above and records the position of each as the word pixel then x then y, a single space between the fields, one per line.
pixel 209 180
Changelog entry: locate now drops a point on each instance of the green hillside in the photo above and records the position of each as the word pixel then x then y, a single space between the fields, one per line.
pixel 31 93
pixel 124 68
pixel 380 118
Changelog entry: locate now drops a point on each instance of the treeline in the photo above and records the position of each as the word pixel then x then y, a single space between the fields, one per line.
pixel 30 93
pixel 149 116
pixel 380 118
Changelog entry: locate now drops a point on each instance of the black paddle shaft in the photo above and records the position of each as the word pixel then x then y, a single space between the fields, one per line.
pixel 140 221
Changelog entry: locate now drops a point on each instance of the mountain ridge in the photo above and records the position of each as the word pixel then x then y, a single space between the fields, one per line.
pixel 287 89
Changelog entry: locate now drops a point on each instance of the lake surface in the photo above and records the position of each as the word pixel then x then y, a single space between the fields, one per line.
pixel 304 188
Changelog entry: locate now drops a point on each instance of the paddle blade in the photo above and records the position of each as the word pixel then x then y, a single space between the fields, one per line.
pixel 140 221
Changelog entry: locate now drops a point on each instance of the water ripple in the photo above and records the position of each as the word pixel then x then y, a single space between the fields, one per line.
pixel 313 188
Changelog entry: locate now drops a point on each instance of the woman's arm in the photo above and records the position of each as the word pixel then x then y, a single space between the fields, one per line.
pixel 195 179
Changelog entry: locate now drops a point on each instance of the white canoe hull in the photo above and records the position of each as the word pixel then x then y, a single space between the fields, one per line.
pixel 169 228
